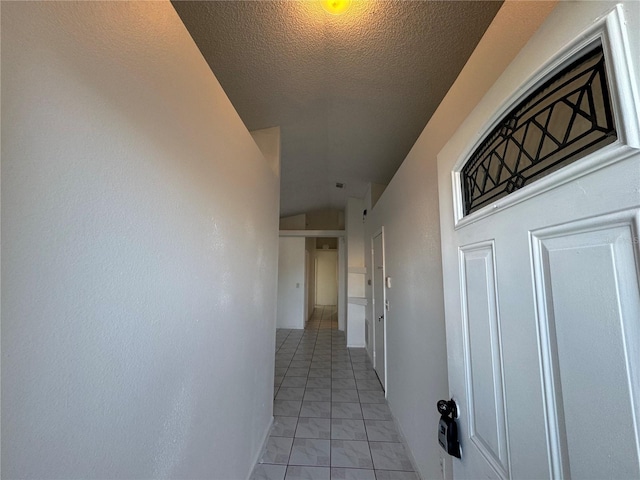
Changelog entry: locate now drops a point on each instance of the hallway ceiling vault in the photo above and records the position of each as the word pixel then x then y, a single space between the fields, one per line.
pixel 351 93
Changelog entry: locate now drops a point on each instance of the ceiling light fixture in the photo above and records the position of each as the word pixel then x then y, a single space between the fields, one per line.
pixel 335 7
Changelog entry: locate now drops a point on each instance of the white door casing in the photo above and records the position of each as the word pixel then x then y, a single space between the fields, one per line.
pixel 379 320
pixel 542 296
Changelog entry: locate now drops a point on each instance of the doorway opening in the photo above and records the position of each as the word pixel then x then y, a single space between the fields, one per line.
pixel 311 273
pixel 325 272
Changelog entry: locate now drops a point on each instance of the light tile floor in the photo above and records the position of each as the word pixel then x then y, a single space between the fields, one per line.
pixel 331 420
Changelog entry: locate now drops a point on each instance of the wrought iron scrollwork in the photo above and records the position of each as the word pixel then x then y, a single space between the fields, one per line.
pixel 565 119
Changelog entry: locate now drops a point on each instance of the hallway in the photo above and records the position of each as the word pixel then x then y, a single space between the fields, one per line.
pixel 331 420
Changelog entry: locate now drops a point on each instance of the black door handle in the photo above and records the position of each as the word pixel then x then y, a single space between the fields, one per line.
pixel 448 428
pixel 448 408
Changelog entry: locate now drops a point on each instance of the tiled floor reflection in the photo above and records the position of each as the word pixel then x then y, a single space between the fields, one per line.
pixel 331 420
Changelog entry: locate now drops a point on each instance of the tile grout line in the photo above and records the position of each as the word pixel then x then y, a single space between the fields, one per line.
pixel 326 338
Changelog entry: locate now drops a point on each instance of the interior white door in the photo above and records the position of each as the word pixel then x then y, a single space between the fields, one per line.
pixel 326 277
pixel 379 356
pixel 543 328
pixel 290 306
pixel 307 275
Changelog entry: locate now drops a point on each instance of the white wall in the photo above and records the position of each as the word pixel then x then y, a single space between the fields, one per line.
pixel 374 192
pixel 295 222
pixel 328 219
pixel 356 273
pixel 268 141
pixel 355 232
pixel 342 284
pixel 291 283
pixel 408 209
pixel 310 247
pixel 139 243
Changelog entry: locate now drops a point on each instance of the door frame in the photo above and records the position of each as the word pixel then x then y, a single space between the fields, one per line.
pixel 380 232
pixel 342 266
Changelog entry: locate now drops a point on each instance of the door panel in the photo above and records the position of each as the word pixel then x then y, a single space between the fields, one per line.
pixel 483 356
pixel 379 356
pixel 586 275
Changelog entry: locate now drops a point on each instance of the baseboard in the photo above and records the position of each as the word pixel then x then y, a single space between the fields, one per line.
pixel 262 448
pixel 414 464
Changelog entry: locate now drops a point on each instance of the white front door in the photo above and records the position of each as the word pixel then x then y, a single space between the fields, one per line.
pixel 543 327
pixel 550 330
pixel 379 357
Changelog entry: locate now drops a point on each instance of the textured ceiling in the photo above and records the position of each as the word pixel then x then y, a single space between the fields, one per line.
pixel 351 93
